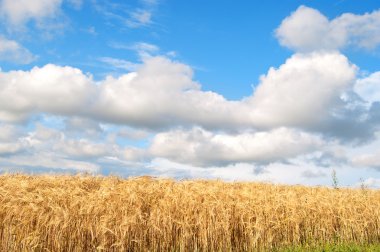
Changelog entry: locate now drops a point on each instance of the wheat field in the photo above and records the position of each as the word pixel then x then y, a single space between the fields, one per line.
pixel 86 213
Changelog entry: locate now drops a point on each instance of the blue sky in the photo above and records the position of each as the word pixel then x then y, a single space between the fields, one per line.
pixel 281 91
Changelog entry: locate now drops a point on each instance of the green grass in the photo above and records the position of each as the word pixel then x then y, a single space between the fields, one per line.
pixel 345 247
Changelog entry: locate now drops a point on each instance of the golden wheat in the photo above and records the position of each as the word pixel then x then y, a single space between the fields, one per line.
pixel 84 213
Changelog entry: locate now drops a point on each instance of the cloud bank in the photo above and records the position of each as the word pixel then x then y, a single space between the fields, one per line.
pixel 310 112
pixel 163 94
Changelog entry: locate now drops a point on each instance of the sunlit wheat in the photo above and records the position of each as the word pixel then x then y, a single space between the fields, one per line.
pixel 84 213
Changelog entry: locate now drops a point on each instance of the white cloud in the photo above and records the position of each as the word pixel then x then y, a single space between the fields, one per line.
pixel 145 49
pixel 79 126
pixel 136 154
pixel 303 92
pixel 140 17
pixel 120 63
pixel 18 12
pixel 307 29
pixel 43 136
pixel 313 173
pixel 242 172
pixel 8 132
pixel 50 148
pixel 12 51
pixel 49 160
pixel 361 30
pixel 83 148
pixel 10 148
pixel 369 88
pixel 140 47
pixel 162 93
pixel 292 122
pixel 204 148
pixel 367 160
pixel 52 89
pixel 275 172
pixel 156 90
pixel 62 144
pixel 133 134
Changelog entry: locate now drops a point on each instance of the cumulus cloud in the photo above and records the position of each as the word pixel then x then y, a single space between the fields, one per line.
pixel 136 154
pixel 51 89
pixel 46 139
pixel 369 88
pixel 316 173
pixel 9 148
pixel 162 93
pixel 79 126
pixel 367 160
pixel 302 115
pixel 83 148
pixel 9 142
pixel 275 172
pixel 303 91
pixel 8 132
pixel 48 160
pixel 133 134
pixel 51 148
pixel 307 29
pixel 204 148
pixel 152 96
pixel 165 168
pixel 296 109
pixel 18 12
pixel 12 51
